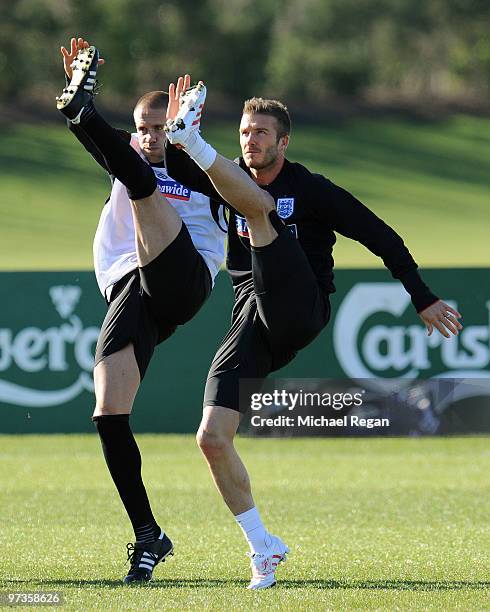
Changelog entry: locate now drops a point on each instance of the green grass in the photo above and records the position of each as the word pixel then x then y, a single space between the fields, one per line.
pixel 430 181
pixel 386 524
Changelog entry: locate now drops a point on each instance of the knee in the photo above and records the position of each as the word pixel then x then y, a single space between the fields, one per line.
pixel 261 207
pixel 109 401
pixel 142 184
pixel 108 409
pixel 212 444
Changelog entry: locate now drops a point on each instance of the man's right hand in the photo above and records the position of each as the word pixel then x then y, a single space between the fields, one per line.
pixel 69 56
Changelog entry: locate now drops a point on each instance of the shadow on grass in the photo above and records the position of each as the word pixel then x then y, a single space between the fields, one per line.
pixel 390 585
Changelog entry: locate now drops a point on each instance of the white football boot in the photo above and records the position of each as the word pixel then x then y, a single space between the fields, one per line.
pixel 264 565
pixel 188 118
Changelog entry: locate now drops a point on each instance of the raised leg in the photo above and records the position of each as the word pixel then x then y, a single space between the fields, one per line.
pixel 255 204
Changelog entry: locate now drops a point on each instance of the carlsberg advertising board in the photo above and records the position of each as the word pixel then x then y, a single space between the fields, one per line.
pixel 49 325
pixel 375 332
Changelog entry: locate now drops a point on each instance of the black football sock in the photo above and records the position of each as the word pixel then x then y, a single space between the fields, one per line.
pixel 148 533
pixel 123 459
pixel 121 159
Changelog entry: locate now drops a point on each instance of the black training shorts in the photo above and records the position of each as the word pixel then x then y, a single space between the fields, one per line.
pixel 148 303
pixel 276 313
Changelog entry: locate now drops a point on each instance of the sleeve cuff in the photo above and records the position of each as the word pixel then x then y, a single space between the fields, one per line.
pixel 422 297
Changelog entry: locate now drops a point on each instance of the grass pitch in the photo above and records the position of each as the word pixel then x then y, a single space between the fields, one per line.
pixel 430 181
pixel 387 524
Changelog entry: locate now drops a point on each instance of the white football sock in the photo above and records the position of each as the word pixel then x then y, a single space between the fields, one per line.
pixel 255 533
pixel 200 151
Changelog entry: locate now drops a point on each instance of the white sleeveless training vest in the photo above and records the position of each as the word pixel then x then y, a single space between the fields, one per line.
pixel 115 244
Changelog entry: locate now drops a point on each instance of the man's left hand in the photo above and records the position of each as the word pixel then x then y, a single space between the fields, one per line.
pixel 441 316
pixel 174 91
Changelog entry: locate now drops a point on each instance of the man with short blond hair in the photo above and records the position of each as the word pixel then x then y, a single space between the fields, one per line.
pixel 157 250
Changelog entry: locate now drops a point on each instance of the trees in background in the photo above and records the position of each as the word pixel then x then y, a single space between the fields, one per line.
pixel 297 49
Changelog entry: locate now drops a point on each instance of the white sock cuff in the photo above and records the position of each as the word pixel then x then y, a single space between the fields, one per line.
pixel 248 515
pixel 201 152
pixel 254 531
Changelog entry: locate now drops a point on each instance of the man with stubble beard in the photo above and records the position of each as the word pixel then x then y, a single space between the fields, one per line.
pixel 281 267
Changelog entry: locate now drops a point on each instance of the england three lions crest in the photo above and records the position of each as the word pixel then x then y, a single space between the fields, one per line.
pixel 285 207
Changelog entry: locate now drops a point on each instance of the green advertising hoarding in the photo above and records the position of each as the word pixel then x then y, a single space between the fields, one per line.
pixel 50 321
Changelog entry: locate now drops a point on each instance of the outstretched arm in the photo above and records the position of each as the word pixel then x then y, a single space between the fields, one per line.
pixel 356 221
